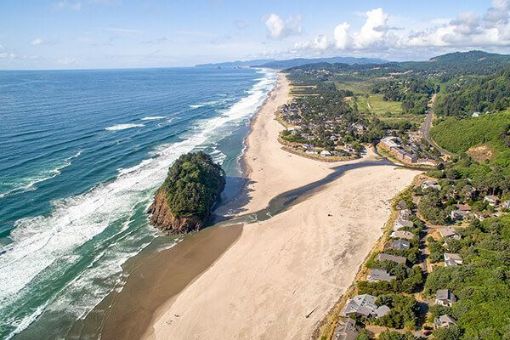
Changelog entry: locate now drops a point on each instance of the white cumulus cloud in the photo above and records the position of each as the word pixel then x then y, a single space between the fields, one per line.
pixel 342 37
pixel 279 28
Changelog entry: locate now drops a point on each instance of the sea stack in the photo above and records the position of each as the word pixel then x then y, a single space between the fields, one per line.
pixel 191 190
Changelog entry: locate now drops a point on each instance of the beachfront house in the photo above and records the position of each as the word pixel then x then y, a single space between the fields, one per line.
pixel 444 321
pixel 402 205
pixel 364 305
pixel 452 259
pixel 376 275
pixel 346 330
pixel 448 232
pixel 406 235
pixel 392 258
pixel 445 297
pixel 402 223
pixel 399 245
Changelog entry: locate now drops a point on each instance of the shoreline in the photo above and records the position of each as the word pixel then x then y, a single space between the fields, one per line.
pixel 291 267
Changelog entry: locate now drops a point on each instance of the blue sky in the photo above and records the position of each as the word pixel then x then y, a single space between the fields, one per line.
pixel 155 33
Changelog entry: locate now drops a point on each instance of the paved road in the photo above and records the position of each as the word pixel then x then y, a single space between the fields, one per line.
pixel 425 130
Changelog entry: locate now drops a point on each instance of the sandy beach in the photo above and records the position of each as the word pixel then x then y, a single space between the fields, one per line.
pixel 282 275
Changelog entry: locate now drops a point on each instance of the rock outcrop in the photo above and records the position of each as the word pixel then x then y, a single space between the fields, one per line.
pixel 185 200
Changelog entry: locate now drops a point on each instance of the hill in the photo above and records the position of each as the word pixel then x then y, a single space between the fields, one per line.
pixel 286 63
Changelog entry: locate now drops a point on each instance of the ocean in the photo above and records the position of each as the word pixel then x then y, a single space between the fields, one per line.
pixel 81 155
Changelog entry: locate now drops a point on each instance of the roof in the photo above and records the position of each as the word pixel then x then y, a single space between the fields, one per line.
pixel 346 330
pixel 379 275
pixel 400 244
pixel 402 234
pixel 451 259
pixel 444 319
pixel 445 294
pixel 360 304
pixel 447 231
pixel 392 258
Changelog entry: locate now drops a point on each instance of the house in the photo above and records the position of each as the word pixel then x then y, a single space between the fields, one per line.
pixel 399 245
pixel 405 214
pixel 392 258
pixel 445 297
pixel 475 114
pixel 402 223
pixel 444 321
pixel 325 153
pixel 492 200
pixel 448 232
pixel 456 215
pixel 364 305
pixel 406 235
pixel 451 259
pixel 376 275
pixel 346 330
pixel 430 184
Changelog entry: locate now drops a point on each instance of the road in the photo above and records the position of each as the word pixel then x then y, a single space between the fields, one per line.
pixel 425 129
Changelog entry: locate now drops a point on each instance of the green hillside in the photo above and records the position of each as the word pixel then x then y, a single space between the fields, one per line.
pixel 458 135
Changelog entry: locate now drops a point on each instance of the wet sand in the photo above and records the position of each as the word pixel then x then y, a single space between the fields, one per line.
pixel 154 279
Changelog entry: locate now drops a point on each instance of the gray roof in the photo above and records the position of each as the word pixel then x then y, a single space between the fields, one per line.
pixel 379 275
pixel 444 320
pixel 445 294
pixel 392 258
pixel 447 231
pixel 403 234
pixel 400 244
pixel 360 304
pixel 452 259
pixel 346 330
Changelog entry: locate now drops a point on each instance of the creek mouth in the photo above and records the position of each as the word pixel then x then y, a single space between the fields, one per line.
pixel 286 200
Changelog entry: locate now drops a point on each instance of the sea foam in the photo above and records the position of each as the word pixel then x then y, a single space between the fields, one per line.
pixel 119 127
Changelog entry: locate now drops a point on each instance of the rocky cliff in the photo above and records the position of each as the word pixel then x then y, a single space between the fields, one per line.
pixel 185 200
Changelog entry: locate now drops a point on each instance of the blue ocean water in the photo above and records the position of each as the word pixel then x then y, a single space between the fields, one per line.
pixel 81 154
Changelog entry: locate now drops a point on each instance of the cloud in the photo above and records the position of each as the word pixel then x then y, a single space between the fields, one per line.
pixel 373 30
pixel 278 28
pixel 37 42
pixel 241 24
pixel 375 35
pixel 342 37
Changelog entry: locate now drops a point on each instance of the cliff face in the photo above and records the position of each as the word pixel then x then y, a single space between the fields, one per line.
pixel 164 219
pixel 185 201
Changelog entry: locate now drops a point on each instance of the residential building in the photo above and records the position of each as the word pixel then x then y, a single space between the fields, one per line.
pixel 392 258
pixel 492 200
pixel 445 297
pixel 346 330
pixel 399 245
pixel 448 232
pixel 406 235
pixel 376 275
pixel 430 184
pixel 452 259
pixel 364 305
pixel 444 321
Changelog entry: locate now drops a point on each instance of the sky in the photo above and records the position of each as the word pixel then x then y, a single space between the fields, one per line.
pixel 71 34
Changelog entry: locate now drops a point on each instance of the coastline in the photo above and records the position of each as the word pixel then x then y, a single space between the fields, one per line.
pixel 282 275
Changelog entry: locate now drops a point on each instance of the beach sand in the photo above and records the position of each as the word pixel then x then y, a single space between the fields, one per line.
pixel 282 275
